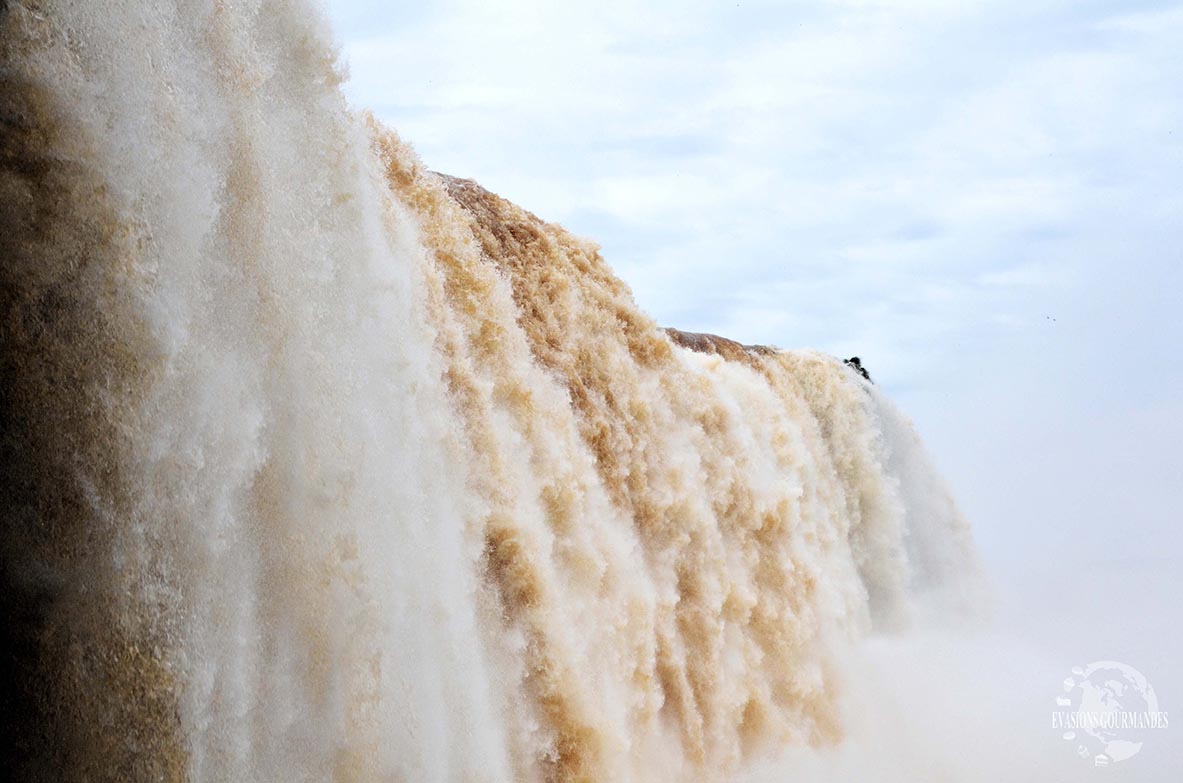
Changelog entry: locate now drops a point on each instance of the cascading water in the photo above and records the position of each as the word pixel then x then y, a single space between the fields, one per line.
pixel 321 466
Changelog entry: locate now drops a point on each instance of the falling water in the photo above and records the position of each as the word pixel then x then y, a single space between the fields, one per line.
pixel 319 465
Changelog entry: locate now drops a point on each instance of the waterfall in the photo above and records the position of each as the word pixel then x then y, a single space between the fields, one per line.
pixel 319 465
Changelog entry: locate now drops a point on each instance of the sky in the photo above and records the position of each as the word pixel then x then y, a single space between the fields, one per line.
pixel 982 200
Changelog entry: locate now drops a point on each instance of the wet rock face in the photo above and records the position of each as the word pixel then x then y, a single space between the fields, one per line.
pixel 856 365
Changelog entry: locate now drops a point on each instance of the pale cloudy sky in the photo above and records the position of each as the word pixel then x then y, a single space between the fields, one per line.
pixel 983 200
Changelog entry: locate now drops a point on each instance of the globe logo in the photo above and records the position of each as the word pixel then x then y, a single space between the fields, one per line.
pixel 1107 709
